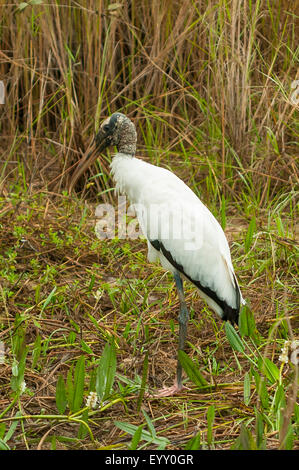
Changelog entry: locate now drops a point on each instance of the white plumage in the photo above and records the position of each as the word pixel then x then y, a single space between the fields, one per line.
pixel 166 207
pixel 180 231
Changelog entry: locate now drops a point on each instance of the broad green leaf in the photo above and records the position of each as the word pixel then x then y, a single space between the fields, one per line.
pixel 2 429
pixel 106 372
pixel 261 389
pixel 83 430
pixel 247 326
pixel 53 443
pixel 61 398
pixel 136 437
pixel 12 428
pixel 145 435
pixel 280 227
pixel 234 339
pixel 72 337
pixel 194 443
pixel 263 394
pixel 85 347
pixel 79 375
pixel 210 420
pixel 191 370
pixel 287 442
pixel 243 322
pixel 3 445
pixel 18 338
pixel 246 439
pixel 16 380
pixel 259 429
pixel 279 399
pixel 92 381
pixel 15 368
pixel 70 388
pixel 149 423
pixel 270 370
pixel 247 389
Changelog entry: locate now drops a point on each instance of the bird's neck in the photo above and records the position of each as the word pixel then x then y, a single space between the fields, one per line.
pixel 126 147
pixel 128 173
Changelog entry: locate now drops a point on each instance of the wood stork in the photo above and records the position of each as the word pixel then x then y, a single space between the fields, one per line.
pixel 180 231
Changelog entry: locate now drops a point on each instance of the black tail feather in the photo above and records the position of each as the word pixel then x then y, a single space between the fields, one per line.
pixel 229 313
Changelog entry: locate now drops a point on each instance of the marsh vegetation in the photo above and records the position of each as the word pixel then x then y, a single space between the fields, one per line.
pixel 87 326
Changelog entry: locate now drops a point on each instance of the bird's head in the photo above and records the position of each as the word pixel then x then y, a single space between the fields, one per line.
pixel 116 130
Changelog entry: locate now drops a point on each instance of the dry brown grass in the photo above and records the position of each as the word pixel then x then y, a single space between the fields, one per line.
pixel 223 68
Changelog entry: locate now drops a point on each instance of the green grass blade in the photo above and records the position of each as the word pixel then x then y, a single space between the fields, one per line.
pixel 223 212
pixel 247 326
pixel 194 443
pixel 191 370
pixel 247 389
pixel 3 445
pixel 270 370
pixel 12 428
pixel 48 300
pixel 149 423
pixel 61 397
pixel 234 339
pixel 287 441
pixel 259 429
pixel 79 375
pixel 18 377
pixel 136 437
pixel 143 381
pixel 145 435
pixel 70 388
pixel 210 420
pixel 249 235
pixel 279 399
pixel 106 372
pixel 246 439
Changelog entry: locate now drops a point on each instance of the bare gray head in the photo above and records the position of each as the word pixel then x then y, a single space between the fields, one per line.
pixel 117 130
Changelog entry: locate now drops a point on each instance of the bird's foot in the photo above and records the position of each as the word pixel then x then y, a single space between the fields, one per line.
pixel 169 391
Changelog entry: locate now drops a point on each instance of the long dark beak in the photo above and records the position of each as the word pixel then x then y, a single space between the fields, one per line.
pixel 99 143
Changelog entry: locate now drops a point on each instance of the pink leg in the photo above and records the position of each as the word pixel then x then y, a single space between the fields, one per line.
pixel 169 391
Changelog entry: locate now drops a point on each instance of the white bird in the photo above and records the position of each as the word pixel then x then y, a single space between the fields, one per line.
pixel 180 231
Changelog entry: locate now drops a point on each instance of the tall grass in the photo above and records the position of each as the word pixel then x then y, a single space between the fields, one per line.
pixel 212 76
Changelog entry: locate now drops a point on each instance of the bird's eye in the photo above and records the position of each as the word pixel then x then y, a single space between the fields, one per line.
pixel 106 128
